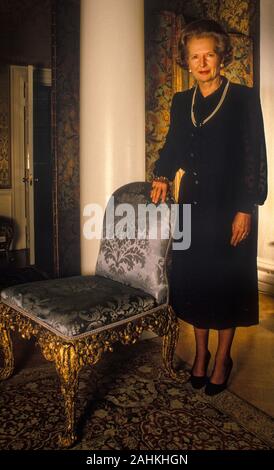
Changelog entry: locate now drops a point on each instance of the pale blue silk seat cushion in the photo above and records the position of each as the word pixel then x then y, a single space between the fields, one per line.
pixel 78 305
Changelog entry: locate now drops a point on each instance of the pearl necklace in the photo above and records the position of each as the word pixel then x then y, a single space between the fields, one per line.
pixel 213 112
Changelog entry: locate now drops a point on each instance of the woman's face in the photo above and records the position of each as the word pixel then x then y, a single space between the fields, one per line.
pixel 203 61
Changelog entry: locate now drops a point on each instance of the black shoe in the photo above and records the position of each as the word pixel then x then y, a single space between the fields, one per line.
pixel 200 381
pixel 213 389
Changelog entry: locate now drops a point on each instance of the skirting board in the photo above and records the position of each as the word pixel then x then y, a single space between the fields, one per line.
pixel 266 276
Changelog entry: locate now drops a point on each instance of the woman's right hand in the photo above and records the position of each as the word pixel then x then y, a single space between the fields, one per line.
pixel 159 191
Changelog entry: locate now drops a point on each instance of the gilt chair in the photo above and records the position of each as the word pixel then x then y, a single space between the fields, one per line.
pixel 76 319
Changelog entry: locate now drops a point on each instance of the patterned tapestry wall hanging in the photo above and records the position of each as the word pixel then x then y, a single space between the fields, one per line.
pixel 66 89
pixel 241 69
pixel 164 77
pixel 5 163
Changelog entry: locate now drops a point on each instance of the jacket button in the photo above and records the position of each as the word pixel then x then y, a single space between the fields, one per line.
pixel 195 173
pixel 195 203
pixel 196 182
pixel 192 154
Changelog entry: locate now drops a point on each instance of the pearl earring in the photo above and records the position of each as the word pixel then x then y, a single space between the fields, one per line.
pixel 190 70
pixel 222 66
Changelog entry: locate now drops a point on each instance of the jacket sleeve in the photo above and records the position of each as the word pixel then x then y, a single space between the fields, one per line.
pixel 166 164
pixel 252 181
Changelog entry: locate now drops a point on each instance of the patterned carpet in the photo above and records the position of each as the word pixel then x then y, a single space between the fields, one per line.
pixel 128 402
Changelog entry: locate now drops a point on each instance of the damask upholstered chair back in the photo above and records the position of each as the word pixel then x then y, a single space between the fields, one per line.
pixel 136 241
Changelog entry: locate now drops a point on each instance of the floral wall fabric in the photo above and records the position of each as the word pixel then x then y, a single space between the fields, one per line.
pixel 236 15
pixel 165 19
pixel 241 69
pixel 163 78
pixel 5 165
pixel 66 71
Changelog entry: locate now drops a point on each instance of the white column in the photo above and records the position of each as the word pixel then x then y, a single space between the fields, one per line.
pixel 112 104
pixel 266 226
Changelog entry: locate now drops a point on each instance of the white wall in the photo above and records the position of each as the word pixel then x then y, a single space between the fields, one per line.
pixel 112 110
pixel 266 214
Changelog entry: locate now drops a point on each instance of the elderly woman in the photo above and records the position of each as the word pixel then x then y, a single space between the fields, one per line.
pixel 216 136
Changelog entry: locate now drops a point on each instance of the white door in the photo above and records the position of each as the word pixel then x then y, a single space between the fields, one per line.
pixel 22 157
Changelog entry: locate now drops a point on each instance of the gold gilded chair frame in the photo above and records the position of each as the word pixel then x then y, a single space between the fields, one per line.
pixel 69 356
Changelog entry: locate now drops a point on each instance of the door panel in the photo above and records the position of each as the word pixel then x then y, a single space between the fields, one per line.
pixel 18 79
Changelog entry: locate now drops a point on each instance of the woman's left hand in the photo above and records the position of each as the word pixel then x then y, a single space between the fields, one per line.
pixel 241 226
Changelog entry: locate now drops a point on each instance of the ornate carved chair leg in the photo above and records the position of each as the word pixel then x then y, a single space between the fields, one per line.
pixel 6 346
pixel 169 344
pixel 68 368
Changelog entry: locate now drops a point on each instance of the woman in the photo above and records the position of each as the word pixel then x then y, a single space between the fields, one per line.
pixel 216 136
